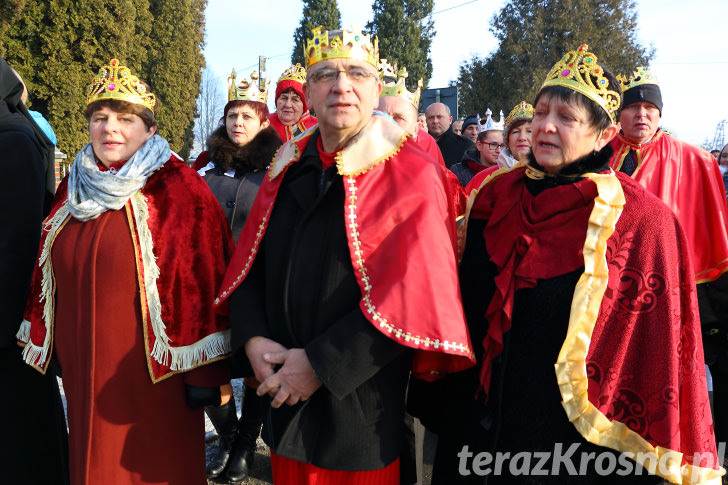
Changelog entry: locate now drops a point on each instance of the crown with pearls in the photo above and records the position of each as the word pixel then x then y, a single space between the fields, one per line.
pixel 341 44
pixel 638 77
pixel 114 81
pixel 522 110
pixel 578 70
pixel 294 73
pixel 247 91
pixel 388 74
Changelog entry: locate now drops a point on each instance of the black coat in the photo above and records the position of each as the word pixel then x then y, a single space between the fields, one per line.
pixel 237 194
pixel 453 146
pixel 302 292
pixel 34 446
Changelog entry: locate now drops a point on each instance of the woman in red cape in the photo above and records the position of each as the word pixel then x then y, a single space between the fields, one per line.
pixel 578 286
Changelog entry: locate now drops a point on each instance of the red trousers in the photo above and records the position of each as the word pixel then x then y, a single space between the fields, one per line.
pixel 292 472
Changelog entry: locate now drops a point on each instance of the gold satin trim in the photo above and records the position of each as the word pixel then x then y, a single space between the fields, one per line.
pixel 570 366
pixel 462 228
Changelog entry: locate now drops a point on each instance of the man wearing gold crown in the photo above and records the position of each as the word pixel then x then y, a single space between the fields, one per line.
pixel 291 117
pixel 130 256
pixel 688 180
pixel 344 278
pixel 401 105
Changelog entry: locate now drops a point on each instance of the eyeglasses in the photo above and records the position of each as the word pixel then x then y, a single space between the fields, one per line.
pixel 493 145
pixel 328 75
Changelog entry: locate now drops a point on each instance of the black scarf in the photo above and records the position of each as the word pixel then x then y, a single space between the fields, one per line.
pixel 594 162
pixel 254 155
pixel 13 113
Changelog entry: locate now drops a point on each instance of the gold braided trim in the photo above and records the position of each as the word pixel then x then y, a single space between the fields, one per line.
pixel 398 333
pixel 251 257
pixel 38 355
pixel 570 366
pixel 462 229
pixel 378 141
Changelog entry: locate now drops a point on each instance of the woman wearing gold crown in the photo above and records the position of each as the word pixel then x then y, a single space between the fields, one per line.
pixel 291 117
pixel 122 294
pixel 238 154
pixel 578 286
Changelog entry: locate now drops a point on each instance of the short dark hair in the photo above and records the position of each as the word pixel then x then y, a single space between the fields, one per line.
pixel 122 107
pixel 599 116
pixel 261 109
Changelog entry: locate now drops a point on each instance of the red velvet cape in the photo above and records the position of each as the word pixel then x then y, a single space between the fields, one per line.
pixel 286 132
pixel 191 244
pixel 631 370
pixel 401 239
pixel 688 180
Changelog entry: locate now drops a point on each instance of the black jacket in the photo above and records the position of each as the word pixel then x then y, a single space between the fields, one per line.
pixel 237 194
pixel 302 292
pixel 453 146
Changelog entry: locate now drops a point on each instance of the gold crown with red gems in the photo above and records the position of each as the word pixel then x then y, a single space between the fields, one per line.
pixel 294 73
pixel 399 89
pixel 578 70
pixel 247 90
pixel 638 77
pixel 114 81
pixel 341 44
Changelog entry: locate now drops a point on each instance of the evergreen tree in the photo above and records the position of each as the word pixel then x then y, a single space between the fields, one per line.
pixel 534 34
pixel 58 46
pixel 315 12
pixel 174 68
pixel 11 11
pixel 405 30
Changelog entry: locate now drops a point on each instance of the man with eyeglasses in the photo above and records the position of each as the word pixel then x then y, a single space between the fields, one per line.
pixel 484 156
pixel 344 278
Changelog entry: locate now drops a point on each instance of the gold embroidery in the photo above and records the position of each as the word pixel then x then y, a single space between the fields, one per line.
pixel 360 267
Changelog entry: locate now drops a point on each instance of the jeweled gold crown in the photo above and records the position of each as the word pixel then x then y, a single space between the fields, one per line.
pixel 521 110
pixel 638 77
pixel 247 91
pixel 341 44
pixel 114 81
pixel 294 73
pixel 578 70
pixel 398 88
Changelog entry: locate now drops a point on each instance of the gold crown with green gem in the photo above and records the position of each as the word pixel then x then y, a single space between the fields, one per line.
pixel 294 73
pixel 114 81
pixel 641 76
pixel 247 90
pixel 398 88
pixel 521 110
pixel 341 44
pixel 579 70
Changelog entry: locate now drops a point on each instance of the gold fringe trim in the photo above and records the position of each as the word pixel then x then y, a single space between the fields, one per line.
pixel 414 341
pixel 570 366
pixel 34 355
pixel 176 358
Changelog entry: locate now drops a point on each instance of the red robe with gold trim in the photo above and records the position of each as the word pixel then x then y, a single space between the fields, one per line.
pixel 631 370
pixel 182 243
pixel 429 145
pixel 401 239
pixel 688 180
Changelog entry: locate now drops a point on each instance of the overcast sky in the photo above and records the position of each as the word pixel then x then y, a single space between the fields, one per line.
pixel 690 37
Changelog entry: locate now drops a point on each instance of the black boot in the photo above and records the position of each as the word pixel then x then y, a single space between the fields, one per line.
pixel 225 421
pixel 241 461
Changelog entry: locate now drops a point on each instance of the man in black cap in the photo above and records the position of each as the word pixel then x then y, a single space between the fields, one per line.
pixel 439 126
pixel 688 180
pixel 471 128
